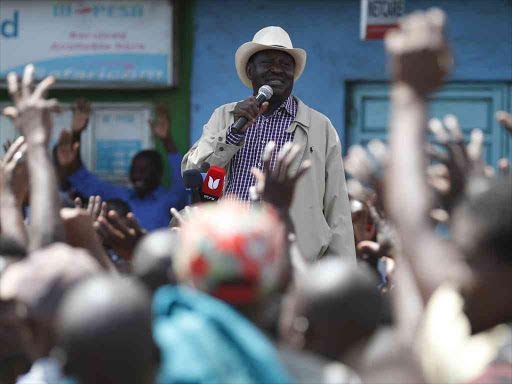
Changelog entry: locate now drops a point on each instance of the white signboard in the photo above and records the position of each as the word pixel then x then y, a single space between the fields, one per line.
pixel 378 16
pixel 90 42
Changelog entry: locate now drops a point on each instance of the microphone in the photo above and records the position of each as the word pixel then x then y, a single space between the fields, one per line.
pixel 213 184
pixel 264 93
pixel 204 169
pixel 193 181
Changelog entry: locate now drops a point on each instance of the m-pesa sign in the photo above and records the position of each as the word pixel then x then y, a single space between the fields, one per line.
pixel 99 42
pixel 378 16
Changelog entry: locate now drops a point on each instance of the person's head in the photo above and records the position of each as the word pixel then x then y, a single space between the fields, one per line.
pixel 146 172
pixel 274 68
pixel 482 228
pixel 153 258
pixel 234 253
pixel 270 59
pixel 40 281
pixel 334 307
pixel 104 333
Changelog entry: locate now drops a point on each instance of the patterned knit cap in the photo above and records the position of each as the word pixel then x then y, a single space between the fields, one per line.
pixel 234 252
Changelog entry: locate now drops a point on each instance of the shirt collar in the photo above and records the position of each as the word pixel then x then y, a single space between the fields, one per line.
pixel 289 106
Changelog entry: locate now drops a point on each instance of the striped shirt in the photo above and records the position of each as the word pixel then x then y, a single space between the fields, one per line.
pixel 265 129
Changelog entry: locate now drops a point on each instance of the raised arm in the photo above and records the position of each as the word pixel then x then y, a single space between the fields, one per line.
pixel 72 169
pixel 420 59
pixel 13 192
pixel 162 130
pixel 31 113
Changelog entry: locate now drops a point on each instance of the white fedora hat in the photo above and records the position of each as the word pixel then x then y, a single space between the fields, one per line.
pixel 268 38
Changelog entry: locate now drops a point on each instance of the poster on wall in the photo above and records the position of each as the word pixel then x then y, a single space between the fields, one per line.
pixel 119 135
pixel 115 133
pixel 105 44
pixel 379 16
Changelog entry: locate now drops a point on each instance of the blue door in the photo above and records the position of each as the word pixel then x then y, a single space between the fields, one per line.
pixel 474 104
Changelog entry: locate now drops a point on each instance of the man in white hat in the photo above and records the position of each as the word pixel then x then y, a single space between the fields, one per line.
pixel 320 209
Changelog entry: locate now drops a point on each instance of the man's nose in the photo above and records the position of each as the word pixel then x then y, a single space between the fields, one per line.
pixel 276 68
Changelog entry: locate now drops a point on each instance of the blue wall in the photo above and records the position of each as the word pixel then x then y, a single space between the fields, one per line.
pixel 480 31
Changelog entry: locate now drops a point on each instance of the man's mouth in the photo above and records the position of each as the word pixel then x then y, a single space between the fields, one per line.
pixel 275 82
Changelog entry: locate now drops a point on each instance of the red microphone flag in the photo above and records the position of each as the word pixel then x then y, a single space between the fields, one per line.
pixel 213 183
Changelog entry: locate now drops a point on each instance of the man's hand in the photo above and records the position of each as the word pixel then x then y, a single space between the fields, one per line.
pixel 31 111
pixel 80 233
pixel 462 168
pixel 161 127
pixel 367 167
pixel 13 170
pixel 120 235
pixel 419 54
pixel 81 111
pixel 277 186
pixel 505 119
pixel 249 109
pixel 68 154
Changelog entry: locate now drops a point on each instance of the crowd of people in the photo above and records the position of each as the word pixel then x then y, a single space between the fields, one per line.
pixel 98 285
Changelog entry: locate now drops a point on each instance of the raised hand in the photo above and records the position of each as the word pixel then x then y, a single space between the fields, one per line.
pixel 366 166
pixel 277 186
pixel 80 233
pixel 459 165
pixel 81 111
pixel 31 116
pixel 122 235
pixel 67 153
pixel 161 127
pixel 505 119
pixel 95 207
pixel 31 111
pixel 13 170
pixel 419 55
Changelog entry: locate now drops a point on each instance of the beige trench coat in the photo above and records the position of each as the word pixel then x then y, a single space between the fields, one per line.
pixel 320 210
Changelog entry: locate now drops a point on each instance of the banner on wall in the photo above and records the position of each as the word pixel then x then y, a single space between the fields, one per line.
pixel 379 16
pixel 126 42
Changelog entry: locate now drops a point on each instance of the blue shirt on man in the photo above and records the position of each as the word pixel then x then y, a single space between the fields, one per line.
pixel 152 211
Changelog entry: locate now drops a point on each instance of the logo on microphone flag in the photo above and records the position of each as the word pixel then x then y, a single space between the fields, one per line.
pixel 213 184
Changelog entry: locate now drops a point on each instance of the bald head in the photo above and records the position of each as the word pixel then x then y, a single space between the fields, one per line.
pixel 104 328
pixel 338 306
pixel 152 262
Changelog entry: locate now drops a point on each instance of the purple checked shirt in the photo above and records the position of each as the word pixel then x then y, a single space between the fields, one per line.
pixel 265 129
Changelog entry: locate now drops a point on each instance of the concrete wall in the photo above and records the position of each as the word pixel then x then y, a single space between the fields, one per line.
pixel 480 31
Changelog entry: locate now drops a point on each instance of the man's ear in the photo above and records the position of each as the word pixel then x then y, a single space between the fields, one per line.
pixel 248 70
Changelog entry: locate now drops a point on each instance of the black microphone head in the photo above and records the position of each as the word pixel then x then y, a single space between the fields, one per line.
pixel 204 167
pixel 267 91
pixel 192 179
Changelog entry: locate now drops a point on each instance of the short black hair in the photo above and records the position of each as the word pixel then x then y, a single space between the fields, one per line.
pixel 493 209
pixel 153 156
